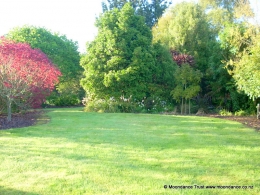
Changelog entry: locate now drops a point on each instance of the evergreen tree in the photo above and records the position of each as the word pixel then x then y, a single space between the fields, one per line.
pixel 150 10
pixel 120 61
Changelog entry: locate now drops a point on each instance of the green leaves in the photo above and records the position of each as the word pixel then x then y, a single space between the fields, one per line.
pixel 122 61
pixel 187 80
pixel 60 50
pixel 149 10
pixel 247 73
pixel 185 28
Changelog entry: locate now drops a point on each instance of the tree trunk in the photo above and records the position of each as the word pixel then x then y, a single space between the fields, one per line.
pixel 9 110
pixel 181 105
pixel 185 107
pixel 189 106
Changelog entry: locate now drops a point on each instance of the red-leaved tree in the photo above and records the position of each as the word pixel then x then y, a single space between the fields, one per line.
pixel 27 76
pixel 181 59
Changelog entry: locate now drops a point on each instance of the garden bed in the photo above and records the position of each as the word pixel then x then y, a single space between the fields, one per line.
pixel 20 119
pixel 250 121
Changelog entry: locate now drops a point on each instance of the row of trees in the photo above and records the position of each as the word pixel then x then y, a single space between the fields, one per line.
pixel 128 59
pixel 203 54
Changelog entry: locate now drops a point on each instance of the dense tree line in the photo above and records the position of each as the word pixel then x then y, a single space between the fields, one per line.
pixel 223 72
pixel 149 56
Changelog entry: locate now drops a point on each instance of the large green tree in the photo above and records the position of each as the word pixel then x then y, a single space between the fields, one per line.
pixel 247 75
pixel 220 12
pixel 62 51
pixel 240 43
pixel 184 28
pixel 150 10
pixel 121 61
pixel 223 17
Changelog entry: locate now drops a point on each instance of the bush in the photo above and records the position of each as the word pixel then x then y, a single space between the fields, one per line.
pixel 241 113
pixel 63 100
pixel 248 112
pixel 127 105
pixel 225 112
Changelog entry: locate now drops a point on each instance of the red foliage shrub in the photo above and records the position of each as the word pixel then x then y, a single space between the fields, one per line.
pixel 27 75
pixel 180 58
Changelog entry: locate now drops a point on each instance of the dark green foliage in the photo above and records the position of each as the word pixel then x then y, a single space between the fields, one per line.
pixel 165 67
pixel 150 10
pixel 122 61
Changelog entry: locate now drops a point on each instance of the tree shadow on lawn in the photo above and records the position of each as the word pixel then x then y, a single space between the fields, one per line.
pixel 10 191
pixel 170 139
pixel 170 129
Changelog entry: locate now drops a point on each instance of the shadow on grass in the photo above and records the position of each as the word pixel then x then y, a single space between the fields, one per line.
pixel 139 130
pixel 10 191
pixel 138 147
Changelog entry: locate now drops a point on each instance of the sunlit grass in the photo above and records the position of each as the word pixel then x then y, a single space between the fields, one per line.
pixel 94 153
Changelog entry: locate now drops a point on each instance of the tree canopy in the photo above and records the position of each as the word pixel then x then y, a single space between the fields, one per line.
pixel 62 51
pixel 150 10
pixel 121 61
pixel 184 28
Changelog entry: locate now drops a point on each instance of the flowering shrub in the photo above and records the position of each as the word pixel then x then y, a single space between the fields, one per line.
pixel 127 105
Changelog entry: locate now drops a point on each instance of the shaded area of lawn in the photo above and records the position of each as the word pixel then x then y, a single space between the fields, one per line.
pixel 93 153
pixel 8 191
pixel 26 119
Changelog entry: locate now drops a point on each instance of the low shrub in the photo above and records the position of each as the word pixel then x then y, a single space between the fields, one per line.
pixel 225 112
pixel 127 105
pixel 56 99
pixel 241 113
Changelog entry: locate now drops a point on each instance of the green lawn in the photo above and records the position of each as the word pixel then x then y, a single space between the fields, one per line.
pixel 103 153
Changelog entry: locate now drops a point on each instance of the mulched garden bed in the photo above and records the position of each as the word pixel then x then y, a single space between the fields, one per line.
pixel 20 119
pixel 250 121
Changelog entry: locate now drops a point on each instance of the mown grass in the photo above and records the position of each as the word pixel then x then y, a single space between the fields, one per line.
pixel 95 153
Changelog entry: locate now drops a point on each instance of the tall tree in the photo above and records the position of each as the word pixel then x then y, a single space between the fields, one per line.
pixel 222 15
pixel 150 10
pixel 240 43
pixel 247 74
pixel 185 29
pixel 122 60
pixel 219 12
pixel 187 80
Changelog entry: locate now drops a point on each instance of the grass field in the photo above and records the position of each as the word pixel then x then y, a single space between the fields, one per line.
pixel 103 153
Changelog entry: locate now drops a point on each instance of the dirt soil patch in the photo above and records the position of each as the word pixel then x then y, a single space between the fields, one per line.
pixel 250 121
pixel 23 119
